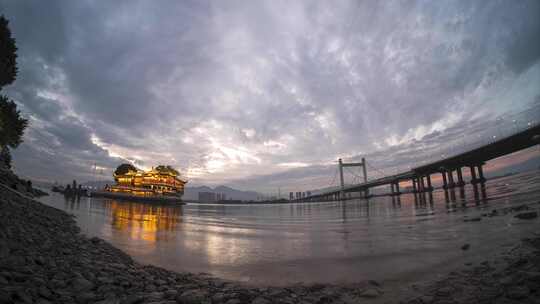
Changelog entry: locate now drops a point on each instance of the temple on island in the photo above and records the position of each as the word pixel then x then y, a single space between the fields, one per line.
pixel 161 180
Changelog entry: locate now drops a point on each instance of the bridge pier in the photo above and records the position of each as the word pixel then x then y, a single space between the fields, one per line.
pixel 462 194
pixel 451 183
pixel 481 174
pixel 453 195
pixel 394 186
pixel 473 174
pixel 460 182
pixel 428 180
pixel 474 178
pixel 445 182
pixel 414 185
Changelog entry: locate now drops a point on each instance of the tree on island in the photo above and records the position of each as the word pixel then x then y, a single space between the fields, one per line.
pixel 167 169
pixel 125 168
pixel 12 124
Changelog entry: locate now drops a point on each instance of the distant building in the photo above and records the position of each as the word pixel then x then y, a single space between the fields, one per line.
pixel 220 197
pixel 291 196
pixel 308 193
pixel 207 197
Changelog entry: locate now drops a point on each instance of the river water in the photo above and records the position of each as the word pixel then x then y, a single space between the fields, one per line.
pixel 332 242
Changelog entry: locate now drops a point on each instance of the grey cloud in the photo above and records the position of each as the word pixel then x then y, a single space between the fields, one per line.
pixel 181 82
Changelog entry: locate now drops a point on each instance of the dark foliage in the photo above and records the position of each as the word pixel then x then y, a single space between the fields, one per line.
pixel 12 124
pixel 5 157
pixel 167 169
pixel 8 54
pixel 124 168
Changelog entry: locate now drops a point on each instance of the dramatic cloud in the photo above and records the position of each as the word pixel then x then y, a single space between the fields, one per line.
pixel 266 94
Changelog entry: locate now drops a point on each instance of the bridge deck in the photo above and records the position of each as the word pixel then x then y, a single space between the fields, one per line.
pixel 501 147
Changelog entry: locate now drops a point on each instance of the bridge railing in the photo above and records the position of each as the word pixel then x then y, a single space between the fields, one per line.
pixel 483 134
pixel 477 135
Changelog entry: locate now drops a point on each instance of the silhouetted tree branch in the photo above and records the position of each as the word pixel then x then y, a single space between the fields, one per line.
pixel 8 54
pixel 12 124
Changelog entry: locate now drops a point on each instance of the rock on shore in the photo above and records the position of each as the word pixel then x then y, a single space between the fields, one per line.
pixel 44 259
pixel 513 278
pixel 10 179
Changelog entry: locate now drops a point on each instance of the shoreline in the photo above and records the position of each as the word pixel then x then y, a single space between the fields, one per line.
pixel 45 259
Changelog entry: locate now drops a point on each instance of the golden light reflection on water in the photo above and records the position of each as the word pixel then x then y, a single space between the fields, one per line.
pixel 220 245
pixel 143 221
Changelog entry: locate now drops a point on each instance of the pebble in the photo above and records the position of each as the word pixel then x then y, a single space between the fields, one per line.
pixel 260 300
pixel 133 299
pixel 473 219
pixel 45 292
pixel 517 292
pixel 369 293
pixel 170 294
pixel 195 296
pixel 444 291
pixel 81 284
pixel 527 215
pixel 508 280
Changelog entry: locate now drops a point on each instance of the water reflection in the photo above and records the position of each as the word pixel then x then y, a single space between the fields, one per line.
pixel 142 221
pixel 329 241
pixel 72 201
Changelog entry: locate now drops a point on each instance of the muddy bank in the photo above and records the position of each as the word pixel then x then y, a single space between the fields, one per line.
pixel 45 259
pixel 509 277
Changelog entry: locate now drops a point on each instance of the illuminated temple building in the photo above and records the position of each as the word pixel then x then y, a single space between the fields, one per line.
pixel 160 181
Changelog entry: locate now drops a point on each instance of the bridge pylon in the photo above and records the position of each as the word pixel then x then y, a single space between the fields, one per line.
pixel 362 164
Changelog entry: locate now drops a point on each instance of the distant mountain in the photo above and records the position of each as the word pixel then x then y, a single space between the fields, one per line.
pixel 192 193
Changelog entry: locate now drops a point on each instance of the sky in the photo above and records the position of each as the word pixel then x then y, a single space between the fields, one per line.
pixel 266 94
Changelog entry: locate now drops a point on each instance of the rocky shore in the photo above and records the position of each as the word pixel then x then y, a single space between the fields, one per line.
pixel 45 259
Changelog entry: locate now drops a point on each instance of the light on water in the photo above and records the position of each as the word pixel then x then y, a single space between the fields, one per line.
pixel 384 238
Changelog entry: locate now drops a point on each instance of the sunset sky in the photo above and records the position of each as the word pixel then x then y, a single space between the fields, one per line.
pixel 266 94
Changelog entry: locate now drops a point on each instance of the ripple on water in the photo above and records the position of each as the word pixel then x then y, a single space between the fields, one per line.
pixel 318 242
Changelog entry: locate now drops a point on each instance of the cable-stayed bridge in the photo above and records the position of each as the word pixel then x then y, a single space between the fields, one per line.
pixel 506 141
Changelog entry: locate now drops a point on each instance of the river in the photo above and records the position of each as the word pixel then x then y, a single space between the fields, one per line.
pixel 330 242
